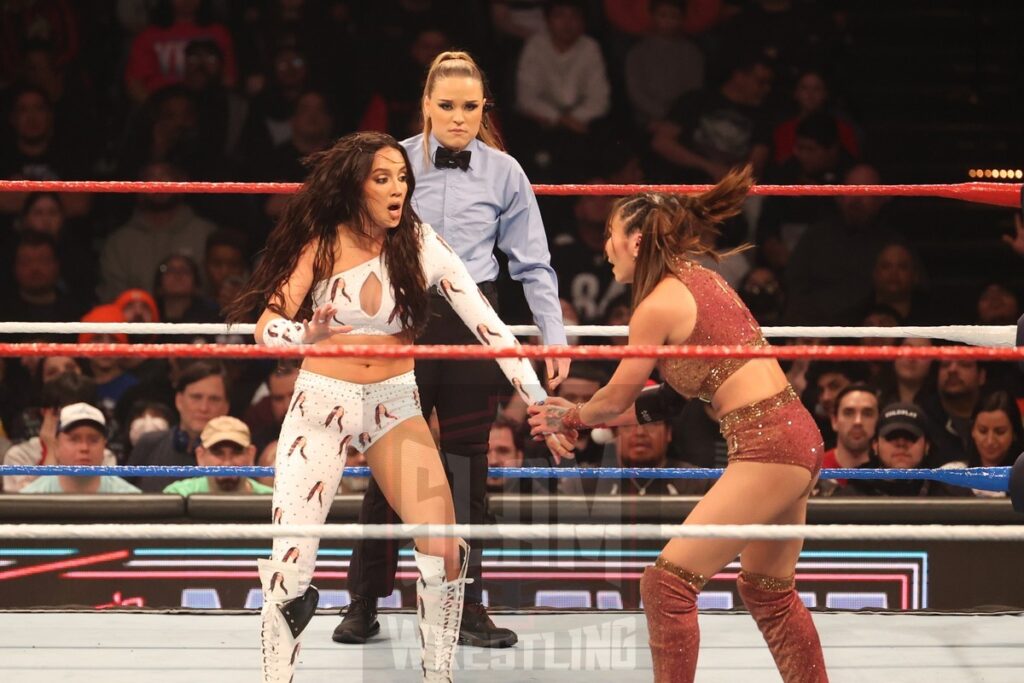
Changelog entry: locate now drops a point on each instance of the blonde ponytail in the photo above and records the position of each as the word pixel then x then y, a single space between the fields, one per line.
pixel 459 64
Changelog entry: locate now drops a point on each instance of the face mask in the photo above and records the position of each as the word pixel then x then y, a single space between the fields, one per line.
pixel 144 425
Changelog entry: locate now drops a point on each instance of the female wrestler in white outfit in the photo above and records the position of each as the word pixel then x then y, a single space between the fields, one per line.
pixel 351 259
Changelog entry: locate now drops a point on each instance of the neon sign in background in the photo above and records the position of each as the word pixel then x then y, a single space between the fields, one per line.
pixel 96 574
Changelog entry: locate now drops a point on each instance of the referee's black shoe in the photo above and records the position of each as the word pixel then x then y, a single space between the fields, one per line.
pixel 360 622
pixel 477 629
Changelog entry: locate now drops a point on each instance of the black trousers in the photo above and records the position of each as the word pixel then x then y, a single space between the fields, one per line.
pixel 466 395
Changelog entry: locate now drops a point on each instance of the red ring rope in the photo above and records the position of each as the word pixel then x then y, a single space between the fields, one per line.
pixel 473 351
pixel 998 194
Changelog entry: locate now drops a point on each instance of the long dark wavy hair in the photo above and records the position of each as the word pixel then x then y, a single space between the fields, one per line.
pixel 333 195
pixel 674 227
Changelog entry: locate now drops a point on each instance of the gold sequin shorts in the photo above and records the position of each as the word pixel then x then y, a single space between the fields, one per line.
pixel 777 430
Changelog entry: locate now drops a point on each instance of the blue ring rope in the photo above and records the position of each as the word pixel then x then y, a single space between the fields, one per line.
pixel 985 478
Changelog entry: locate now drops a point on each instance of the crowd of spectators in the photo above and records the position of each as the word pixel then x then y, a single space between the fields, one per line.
pixel 624 91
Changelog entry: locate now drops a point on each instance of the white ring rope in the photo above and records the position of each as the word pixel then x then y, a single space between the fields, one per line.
pixel 975 335
pixel 536 532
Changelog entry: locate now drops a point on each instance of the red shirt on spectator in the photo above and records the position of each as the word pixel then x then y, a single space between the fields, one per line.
pixel 828 461
pixel 784 137
pixel 157 57
pixel 633 17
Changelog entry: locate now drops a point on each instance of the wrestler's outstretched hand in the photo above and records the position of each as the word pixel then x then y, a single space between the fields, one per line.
pixel 561 446
pixel 321 325
pixel 546 424
pixel 546 417
pixel 558 370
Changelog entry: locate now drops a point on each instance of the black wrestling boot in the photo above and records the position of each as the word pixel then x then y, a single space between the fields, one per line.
pixel 360 622
pixel 478 630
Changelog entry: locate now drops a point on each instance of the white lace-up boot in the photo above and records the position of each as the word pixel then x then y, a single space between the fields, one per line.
pixel 439 608
pixel 284 616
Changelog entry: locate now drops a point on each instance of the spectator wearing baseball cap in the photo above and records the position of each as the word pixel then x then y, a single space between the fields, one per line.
pixel 81 440
pixel 41 416
pixel 225 441
pixel 902 443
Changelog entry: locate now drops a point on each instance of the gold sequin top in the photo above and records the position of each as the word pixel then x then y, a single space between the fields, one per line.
pixel 721 319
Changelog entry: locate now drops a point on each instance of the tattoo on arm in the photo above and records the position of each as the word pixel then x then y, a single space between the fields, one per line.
pixel 553 418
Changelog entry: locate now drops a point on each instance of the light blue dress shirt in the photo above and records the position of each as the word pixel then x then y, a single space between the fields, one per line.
pixel 490 204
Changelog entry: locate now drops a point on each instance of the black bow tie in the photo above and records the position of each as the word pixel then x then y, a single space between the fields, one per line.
pixel 445 158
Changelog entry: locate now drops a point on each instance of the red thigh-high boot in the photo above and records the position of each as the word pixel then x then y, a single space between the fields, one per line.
pixel 670 601
pixel 786 626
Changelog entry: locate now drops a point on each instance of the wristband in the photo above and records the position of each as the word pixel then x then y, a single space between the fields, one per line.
pixel 572 419
pixel 658 403
pixel 283 332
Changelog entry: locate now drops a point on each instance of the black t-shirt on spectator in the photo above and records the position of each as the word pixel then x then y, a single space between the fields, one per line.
pixel 719 129
pixel 56 163
pixel 787 218
pixel 283 165
pixel 900 488
pixel 697 439
pixel 828 279
pixel 66 308
pixel 584 279
pixel 77 257
pixel 948 435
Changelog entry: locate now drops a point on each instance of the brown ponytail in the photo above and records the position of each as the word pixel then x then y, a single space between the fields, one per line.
pixel 724 200
pixel 679 227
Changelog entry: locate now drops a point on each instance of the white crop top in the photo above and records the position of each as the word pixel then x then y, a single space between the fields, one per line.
pixel 342 289
pixel 445 270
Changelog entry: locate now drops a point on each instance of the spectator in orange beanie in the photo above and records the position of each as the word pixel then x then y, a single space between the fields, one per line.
pixel 137 306
pixel 105 313
pixel 111 379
